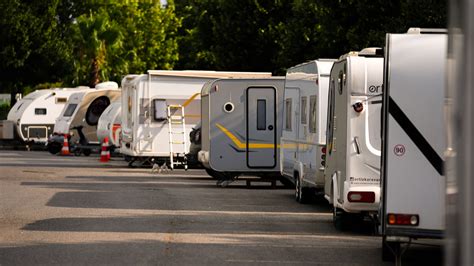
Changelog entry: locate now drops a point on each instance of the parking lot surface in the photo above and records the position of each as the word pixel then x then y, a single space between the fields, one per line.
pixel 76 210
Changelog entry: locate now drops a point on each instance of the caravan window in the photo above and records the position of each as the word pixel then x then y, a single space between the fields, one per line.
pixel 40 111
pixel 70 110
pixel 261 114
pixel 304 111
pixel 160 111
pixel 288 114
pixel 312 113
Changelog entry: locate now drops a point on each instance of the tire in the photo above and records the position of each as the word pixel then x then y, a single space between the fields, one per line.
pixel 54 148
pixel 339 219
pixel 86 152
pixel 388 248
pixel 215 174
pixel 77 152
pixel 297 189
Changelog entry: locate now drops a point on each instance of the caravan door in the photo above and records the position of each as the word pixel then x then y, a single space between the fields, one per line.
pixel 261 146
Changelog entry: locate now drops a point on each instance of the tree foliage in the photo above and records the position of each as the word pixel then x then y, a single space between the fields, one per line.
pixel 82 42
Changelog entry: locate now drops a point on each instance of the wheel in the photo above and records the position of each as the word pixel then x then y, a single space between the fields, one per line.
pixel 77 152
pixel 389 249
pixel 54 148
pixel 87 152
pixel 215 174
pixel 297 189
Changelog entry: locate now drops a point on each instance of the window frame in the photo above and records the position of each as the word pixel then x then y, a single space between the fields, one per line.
pixel 261 114
pixel 304 110
pixel 162 118
pixel 42 109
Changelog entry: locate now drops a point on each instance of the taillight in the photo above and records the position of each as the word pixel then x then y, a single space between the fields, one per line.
pixel 403 219
pixel 361 196
pixel 358 107
pixel 323 156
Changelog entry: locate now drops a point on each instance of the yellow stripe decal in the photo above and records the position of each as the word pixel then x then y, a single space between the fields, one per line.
pixel 187 102
pixel 242 145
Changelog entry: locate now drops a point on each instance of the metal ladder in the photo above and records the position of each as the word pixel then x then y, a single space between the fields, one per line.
pixel 177 119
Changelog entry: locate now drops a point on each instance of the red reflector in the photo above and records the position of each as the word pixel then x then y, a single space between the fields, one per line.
pixel 323 150
pixel 403 219
pixel 361 196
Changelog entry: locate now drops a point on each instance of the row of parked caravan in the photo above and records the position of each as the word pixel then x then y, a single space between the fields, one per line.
pixel 366 131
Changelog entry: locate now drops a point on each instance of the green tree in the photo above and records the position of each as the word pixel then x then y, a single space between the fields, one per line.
pixel 31 48
pixel 97 42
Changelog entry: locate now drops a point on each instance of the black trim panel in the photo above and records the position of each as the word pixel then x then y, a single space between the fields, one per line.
pixel 415 135
pixel 414 232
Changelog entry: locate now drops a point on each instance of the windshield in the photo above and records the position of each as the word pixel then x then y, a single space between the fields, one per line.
pixel 70 110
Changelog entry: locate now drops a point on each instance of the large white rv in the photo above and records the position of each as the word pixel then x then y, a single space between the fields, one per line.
pixel 160 109
pixel 35 114
pixel 241 127
pixel 352 173
pixel 81 114
pixel 414 139
pixel 110 124
pixel 303 140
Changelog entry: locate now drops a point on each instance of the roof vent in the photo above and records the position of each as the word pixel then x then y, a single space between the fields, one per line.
pixel 111 85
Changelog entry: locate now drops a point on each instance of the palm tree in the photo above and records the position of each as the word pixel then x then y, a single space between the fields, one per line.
pixel 98 43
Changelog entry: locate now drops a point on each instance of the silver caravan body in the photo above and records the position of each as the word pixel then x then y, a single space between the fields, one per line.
pixel 110 124
pixel 241 125
pixel 84 109
pixel 414 139
pixel 352 173
pixel 303 138
pixel 145 100
pixel 34 116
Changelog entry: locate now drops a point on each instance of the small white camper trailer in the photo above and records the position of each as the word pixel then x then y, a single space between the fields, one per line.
pixel 241 126
pixel 83 110
pixel 110 124
pixel 35 114
pixel 414 139
pixel 160 109
pixel 303 138
pixel 352 173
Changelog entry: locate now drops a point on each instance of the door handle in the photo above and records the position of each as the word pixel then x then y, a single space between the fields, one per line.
pixel 270 127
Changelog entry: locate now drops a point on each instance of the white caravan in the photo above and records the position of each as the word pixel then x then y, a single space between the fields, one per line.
pixel 83 110
pixel 303 140
pixel 353 146
pixel 35 114
pixel 241 127
pixel 414 139
pixel 160 109
pixel 110 124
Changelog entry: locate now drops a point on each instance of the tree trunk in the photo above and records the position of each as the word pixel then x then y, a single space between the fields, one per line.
pixel 94 75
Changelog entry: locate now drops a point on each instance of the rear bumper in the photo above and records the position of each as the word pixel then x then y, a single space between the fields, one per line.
pixel 356 207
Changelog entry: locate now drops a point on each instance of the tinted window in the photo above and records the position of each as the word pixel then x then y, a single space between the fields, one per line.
pixel 304 112
pixel 261 114
pixel 40 111
pixel 70 110
pixel 96 108
pixel 312 114
pixel 288 114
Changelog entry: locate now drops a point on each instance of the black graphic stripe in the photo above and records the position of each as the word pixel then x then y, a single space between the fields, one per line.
pixel 415 135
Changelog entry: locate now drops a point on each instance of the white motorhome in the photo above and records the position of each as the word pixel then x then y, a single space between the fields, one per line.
pixel 241 127
pixel 160 109
pixel 35 114
pixel 83 110
pixel 414 139
pixel 353 146
pixel 110 124
pixel 303 138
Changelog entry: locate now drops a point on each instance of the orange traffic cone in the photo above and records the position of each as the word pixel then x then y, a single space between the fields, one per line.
pixel 65 148
pixel 105 154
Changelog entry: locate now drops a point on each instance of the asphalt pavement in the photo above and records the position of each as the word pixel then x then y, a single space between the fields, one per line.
pixel 79 211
